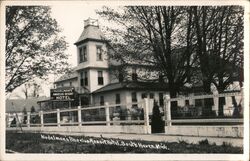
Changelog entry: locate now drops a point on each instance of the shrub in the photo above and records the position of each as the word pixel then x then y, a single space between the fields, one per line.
pixel 204 142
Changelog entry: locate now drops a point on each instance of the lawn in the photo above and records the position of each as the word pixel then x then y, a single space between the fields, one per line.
pixel 54 143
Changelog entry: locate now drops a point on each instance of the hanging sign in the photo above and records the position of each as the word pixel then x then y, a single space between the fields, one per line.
pixel 64 94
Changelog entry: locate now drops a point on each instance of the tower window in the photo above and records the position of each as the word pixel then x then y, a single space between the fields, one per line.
pixel 82 54
pixel 84 79
pixel 100 78
pixel 99 54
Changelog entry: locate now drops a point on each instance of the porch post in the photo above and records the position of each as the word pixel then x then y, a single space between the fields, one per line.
pixel 28 119
pixel 146 115
pixel 167 110
pixel 58 117
pixel 79 116
pixel 107 114
pixel 41 115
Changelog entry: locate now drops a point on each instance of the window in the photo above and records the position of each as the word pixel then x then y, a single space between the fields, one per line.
pixel 70 84
pixel 134 98
pixel 99 53
pixel 84 79
pixel 101 100
pixel 82 54
pixel 81 80
pixel 62 85
pixel 198 102
pixel 144 95
pixel 151 95
pixel 187 102
pixel 117 99
pixel 161 99
pixel 100 78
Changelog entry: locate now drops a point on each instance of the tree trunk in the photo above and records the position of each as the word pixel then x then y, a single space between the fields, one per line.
pixel 174 104
pixel 221 106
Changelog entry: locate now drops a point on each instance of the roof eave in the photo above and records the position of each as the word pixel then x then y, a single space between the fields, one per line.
pixel 90 39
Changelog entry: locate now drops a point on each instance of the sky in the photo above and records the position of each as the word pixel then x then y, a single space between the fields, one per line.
pixel 70 18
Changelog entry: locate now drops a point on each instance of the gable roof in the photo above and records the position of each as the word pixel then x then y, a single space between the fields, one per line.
pixel 70 75
pixel 133 85
pixel 17 105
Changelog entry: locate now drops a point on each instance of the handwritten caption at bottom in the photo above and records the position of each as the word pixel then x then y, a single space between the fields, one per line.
pixel 104 141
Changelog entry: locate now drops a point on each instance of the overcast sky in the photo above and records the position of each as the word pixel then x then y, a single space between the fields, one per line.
pixel 71 19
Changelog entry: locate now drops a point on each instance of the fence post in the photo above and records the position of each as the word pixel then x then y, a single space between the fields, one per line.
pixel 79 116
pixel 107 113
pixel 7 119
pixel 167 109
pixel 28 119
pixel 58 117
pixel 146 115
pixel 41 115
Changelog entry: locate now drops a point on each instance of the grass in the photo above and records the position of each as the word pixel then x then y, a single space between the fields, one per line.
pixel 33 143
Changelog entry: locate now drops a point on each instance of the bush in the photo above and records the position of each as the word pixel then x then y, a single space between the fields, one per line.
pixel 204 142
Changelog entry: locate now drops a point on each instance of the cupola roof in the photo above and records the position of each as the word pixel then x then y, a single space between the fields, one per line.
pixel 91 32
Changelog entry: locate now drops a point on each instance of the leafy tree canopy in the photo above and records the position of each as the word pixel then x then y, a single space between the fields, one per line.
pixel 34 47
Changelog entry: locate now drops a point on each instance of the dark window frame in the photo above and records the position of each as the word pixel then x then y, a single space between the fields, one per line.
pixel 100 78
pixel 117 98
pixel 83 54
pixel 134 96
pixel 99 53
pixel 86 78
pixel 101 100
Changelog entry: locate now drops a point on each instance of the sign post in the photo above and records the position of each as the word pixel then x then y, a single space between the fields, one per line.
pixel 64 94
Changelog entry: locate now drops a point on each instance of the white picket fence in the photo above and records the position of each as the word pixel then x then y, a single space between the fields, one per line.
pixel 109 118
pixel 108 108
pixel 169 121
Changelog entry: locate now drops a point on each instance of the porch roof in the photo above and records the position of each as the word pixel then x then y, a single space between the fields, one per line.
pixel 133 85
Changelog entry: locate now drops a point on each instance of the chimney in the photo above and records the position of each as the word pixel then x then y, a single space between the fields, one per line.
pixel 91 22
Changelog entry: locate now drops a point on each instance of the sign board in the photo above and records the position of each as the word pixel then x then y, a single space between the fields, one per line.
pixel 63 94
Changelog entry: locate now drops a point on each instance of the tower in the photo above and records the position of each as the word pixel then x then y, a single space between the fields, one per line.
pixel 92 58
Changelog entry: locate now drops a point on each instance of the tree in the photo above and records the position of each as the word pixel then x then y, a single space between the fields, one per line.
pixel 185 44
pixel 219 32
pixel 159 38
pixel 34 47
pixel 25 117
pixel 31 89
pixel 155 36
pixel 32 109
